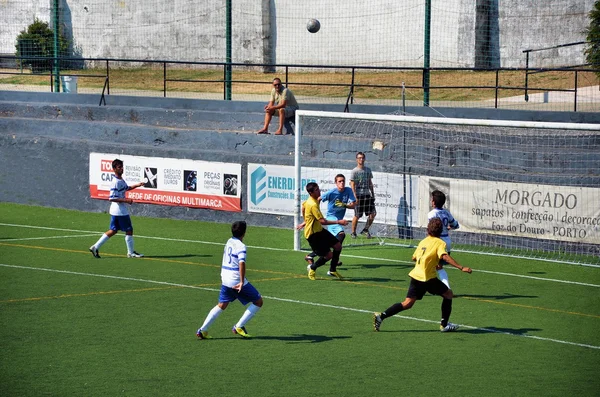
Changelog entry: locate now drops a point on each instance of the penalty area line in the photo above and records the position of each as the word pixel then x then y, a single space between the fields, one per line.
pixel 300 302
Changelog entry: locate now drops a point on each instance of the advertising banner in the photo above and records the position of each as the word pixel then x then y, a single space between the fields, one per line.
pixel 562 213
pixel 272 188
pixel 174 182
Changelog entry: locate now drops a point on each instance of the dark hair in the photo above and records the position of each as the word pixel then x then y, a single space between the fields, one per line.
pixel 311 186
pixel 439 198
pixel 238 229
pixel 435 227
pixel 339 176
pixel 277 79
pixel 116 162
pixel 359 153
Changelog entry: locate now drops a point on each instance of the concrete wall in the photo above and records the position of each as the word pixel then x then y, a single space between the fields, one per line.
pixel 45 141
pixel 373 33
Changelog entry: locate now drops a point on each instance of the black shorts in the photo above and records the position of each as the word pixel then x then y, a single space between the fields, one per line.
pixel 364 205
pixel 417 288
pixel 321 242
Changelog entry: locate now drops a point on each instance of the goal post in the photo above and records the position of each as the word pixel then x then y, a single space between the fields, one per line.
pixel 517 188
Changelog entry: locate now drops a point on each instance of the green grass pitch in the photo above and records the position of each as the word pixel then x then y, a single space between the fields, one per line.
pixel 71 324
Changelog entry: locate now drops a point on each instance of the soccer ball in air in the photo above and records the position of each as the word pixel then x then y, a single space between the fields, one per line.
pixel 313 25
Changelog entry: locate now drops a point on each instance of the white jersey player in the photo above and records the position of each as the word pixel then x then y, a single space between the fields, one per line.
pixel 119 214
pixel 234 284
pixel 438 199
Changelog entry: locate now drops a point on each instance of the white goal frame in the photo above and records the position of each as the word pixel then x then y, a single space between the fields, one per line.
pixel 430 121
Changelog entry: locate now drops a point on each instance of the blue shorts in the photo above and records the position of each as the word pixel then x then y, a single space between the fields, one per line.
pixel 122 223
pixel 246 295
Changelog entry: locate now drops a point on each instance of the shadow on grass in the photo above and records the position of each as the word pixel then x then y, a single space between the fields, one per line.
pixel 301 338
pixel 370 279
pixel 383 265
pixel 495 330
pixel 496 297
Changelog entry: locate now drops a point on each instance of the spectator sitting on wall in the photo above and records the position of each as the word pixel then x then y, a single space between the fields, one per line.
pixel 282 104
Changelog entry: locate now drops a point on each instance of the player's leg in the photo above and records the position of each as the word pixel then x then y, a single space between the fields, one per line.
pixel 112 230
pixel 439 288
pixel 281 114
pixel 247 294
pixel 225 296
pixel 416 291
pixel 126 225
pixel 358 212
pixel 268 117
pixel 370 212
pixel 441 272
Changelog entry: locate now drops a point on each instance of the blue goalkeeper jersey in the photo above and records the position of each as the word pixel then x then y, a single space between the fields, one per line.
pixel 345 196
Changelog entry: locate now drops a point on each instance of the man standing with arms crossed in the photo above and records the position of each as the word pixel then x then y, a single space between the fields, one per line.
pixel 361 182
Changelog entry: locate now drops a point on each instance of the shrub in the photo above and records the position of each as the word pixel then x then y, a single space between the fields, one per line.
pixel 592 52
pixel 38 41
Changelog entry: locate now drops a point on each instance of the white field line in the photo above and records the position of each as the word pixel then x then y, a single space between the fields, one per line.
pixel 288 250
pixel 47 237
pixel 344 308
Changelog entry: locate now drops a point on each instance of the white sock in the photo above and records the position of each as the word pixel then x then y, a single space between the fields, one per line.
pixel 101 241
pixel 442 275
pixel 248 314
pixel 211 317
pixel 129 242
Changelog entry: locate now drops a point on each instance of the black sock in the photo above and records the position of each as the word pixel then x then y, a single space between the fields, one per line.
pixel 334 261
pixel 446 310
pixel 320 262
pixel 390 311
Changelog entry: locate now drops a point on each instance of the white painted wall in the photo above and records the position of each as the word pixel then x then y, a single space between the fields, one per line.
pixel 373 32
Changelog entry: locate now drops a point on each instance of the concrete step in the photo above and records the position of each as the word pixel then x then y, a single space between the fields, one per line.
pixel 173 118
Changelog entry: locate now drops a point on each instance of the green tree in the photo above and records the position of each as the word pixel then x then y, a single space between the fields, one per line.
pixel 592 51
pixel 38 41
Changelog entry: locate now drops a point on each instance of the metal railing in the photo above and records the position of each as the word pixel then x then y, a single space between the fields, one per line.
pixel 286 71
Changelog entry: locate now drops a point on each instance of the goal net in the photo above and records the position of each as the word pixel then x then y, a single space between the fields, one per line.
pixel 522 189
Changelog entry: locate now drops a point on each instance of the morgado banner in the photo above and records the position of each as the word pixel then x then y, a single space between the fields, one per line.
pixel 272 189
pixel 174 182
pixel 516 209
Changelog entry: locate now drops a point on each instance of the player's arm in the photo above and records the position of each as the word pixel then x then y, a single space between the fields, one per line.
pixel 353 187
pixel 301 226
pixel 326 222
pixel 452 223
pixel 119 199
pixel 139 184
pixel 242 266
pixel 451 261
pixel 372 188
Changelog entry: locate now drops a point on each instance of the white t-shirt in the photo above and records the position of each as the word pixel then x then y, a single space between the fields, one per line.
pixel 447 220
pixel 234 253
pixel 118 188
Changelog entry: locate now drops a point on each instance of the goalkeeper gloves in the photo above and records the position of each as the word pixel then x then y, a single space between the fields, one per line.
pixel 338 203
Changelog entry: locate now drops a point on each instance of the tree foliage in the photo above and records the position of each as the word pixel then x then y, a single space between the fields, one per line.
pixel 592 51
pixel 38 41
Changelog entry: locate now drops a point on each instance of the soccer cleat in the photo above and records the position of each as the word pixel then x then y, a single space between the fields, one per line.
pixel 135 254
pixel 241 331
pixel 95 252
pixel 309 259
pixel 353 235
pixel 312 275
pixel 366 233
pixel 377 321
pixel 202 335
pixel 449 327
pixel 334 274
